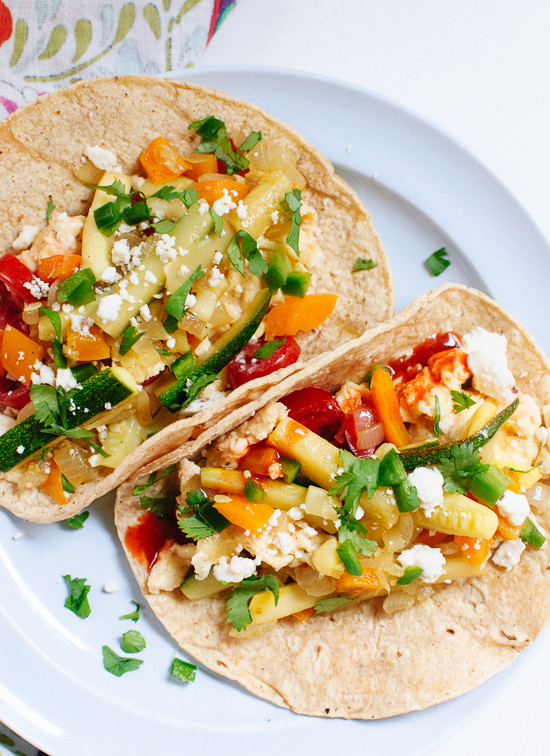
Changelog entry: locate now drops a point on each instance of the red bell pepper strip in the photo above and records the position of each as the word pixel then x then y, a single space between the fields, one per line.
pixel 15 275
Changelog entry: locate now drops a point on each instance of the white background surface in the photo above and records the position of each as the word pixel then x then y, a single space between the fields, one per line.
pixel 481 71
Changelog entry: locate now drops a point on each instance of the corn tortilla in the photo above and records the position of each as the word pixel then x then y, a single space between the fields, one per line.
pixel 41 149
pixel 359 662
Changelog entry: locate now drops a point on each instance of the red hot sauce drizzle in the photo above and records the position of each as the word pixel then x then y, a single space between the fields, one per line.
pixel 405 368
pixel 145 539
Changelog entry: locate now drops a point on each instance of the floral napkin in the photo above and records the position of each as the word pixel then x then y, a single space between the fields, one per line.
pixel 47 44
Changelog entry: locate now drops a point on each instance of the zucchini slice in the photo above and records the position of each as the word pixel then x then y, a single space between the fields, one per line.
pixel 222 351
pixel 111 385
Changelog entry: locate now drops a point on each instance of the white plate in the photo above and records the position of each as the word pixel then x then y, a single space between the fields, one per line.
pixel 424 192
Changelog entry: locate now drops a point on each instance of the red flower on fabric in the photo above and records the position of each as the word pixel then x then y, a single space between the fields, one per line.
pixel 6 23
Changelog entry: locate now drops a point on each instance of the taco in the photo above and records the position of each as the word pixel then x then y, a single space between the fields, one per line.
pixel 154 228
pixel 368 539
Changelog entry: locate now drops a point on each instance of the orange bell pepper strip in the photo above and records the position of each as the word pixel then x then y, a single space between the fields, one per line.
pixel 506 530
pixel 436 539
pixel 298 314
pixel 262 460
pixel 58 266
pixel 214 189
pixel 200 164
pixel 387 405
pixel 245 514
pixel 87 348
pixel 161 162
pixel 53 485
pixel 304 614
pixel 19 354
pixel 474 549
pixel 367 581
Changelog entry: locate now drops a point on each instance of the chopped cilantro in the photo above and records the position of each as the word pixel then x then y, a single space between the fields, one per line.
pixel 77 601
pixel 244 247
pixel 66 484
pixel 198 383
pixel 461 467
pixel 214 139
pixel 198 518
pixel 436 427
pixel 359 475
pixel 183 670
pixel 54 318
pixel 50 207
pixel 461 401
pixel 269 348
pixel 291 207
pixel 218 223
pixel 175 306
pixel 251 141
pixel 47 403
pixel 410 575
pixel 238 613
pixel 118 665
pixel 153 478
pixel 362 263
pixel 78 520
pixel 160 506
pixel 134 616
pixel 438 262
pixel 129 338
pixel 132 642
pixel 164 226
pixel 163 352
pixel 169 193
pixel 332 603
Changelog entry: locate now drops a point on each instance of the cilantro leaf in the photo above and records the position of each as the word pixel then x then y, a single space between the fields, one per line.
pixel 238 613
pixel 118 665
pixel 116 189
pixel 291 207
pixel 169 193
pixel 50 207
pixel 198 518
pixel 244 247
pixel 461 401
pixel 359 476
pixel 269 348
pixel 461 467
pixel 66 484
pixel 160 506
pixel 183 670
pixel 46 403
pixel 438 262
pixel 198 383
pixel 362 263
pixel 164 226
pixel 214 139
pixel 353 531
pixel 54 318
pixel 153 478
pixel 251 141
pixel 132 642
pixel 78 520
pixel 77 601
pixel 436 427
pixel 218 223
pixel 411 574
pixel 175 306
pixel 332 603
pixel 129 338
pixel 134 616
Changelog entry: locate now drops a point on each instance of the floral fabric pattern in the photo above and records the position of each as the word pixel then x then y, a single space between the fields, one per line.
pixel 47 44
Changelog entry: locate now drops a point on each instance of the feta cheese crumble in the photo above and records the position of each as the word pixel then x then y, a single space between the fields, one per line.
pixel 430 560
pixel 509 553
pixel 65 379
pixel 109 307
pixel 487 361
pixel 429 486
pixel 101 158
pixel 25 238
pixel 513 506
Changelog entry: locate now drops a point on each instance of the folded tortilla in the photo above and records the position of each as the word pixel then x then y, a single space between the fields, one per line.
pixel 359 662
pixel 41 149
